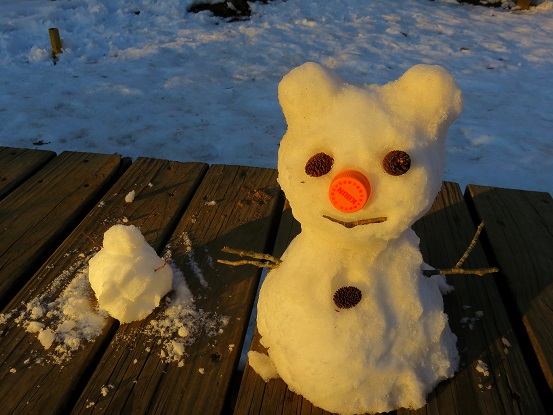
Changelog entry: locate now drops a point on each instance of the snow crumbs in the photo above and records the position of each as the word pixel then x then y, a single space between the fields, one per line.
pixel 72 319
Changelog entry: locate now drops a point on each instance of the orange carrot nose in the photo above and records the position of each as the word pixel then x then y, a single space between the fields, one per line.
pixel 349 191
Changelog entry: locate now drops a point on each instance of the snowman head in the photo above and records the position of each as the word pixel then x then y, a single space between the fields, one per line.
pixel 364 163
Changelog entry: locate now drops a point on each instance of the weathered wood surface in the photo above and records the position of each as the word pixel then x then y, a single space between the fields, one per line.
pixel 519 237
pixel 445 233
pixel 241 207
pixel 18 164
pixel 234 206
pixel 36 216
pixel 49 388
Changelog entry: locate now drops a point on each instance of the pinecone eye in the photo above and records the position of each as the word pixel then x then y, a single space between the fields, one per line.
pixel 396 162
pixel 319 165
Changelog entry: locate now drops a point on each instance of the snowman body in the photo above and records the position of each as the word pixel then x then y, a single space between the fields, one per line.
pixel 349 320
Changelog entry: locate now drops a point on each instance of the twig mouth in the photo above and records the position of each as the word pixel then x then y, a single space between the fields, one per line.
pixel 355 223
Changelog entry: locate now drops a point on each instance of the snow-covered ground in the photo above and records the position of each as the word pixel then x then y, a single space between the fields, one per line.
pixel 146 78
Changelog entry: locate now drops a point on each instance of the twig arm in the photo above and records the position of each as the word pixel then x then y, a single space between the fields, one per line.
pixel 451 271
pixel 457 268
pixel 259 260
pixel 250 254
pixel 471 246
pixel 258 264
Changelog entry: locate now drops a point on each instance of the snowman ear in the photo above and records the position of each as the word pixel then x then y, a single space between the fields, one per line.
pixel 428 96
pixel 307 90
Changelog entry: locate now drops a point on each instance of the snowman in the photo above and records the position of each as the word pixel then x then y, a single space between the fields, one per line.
pixel 348 318
pixel 127 276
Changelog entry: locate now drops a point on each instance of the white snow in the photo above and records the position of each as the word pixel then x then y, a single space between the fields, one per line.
pixel 46 338
pixel 175 85
pixel 129 198
pixel 482 368
pixel 35 327
pixel 127 276
pixel 189 251
pixel 180 322
pixel 506 345
pixel 263 366
pixel 64 323
pixel 469 321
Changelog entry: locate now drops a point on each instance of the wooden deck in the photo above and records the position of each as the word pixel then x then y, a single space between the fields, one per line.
pixel 49 202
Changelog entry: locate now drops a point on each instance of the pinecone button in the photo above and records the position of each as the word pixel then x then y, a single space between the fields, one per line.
pixel 347 297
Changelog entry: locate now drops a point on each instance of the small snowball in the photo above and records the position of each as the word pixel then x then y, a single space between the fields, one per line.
pixel 13 370
pixel 201 370
pixel 262 365
pixel 230 347
pixel 34 327
pixel 507 345
pixel 178 347
pixel 127 276
pixel 130 196
pixel 104 391
pixel 482 367
pixel 38 54
pixel 443 286
pixel 46 338
pixel 72 341
pixel 67 326
pixel 37 312
pixel 183 331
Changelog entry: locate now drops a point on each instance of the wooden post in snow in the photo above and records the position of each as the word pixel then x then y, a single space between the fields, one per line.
pixel 55 40
pixel 524 4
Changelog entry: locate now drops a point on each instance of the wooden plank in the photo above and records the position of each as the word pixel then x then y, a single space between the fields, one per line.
pixel 18 164
pixel 479 319
pixel 30 382
pixel 519 232
pixel 234 206
pixel 36 217
pixel 445 233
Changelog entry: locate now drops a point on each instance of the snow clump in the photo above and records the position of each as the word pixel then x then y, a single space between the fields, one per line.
pixel 127 276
